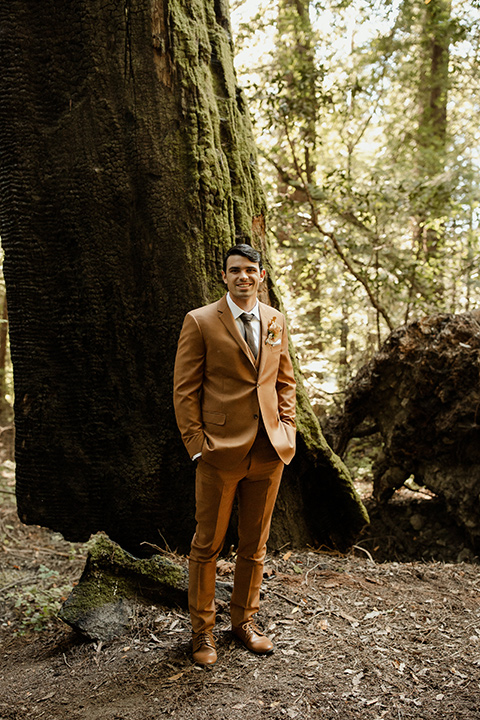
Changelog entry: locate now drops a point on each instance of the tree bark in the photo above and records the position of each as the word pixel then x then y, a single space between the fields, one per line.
pixel 5 407
pixel 433 87
pixel 128 170
pixel 431 143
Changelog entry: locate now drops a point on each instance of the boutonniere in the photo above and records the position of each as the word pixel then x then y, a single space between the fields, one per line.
pixel 274 332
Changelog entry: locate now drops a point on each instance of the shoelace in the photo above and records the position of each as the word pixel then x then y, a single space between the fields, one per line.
pixel 204 639
pixel 250 628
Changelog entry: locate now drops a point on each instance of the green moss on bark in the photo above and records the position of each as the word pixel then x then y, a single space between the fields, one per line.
pixel 116 580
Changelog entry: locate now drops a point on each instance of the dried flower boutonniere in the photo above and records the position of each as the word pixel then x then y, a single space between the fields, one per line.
pixel 274 332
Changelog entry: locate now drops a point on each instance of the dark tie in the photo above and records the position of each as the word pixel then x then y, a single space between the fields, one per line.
pixel 249 336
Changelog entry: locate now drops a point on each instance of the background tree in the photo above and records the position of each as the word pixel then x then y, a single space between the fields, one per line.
pixel 382 226
pixel 128 169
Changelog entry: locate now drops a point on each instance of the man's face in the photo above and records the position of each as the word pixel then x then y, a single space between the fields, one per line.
pixel 242 278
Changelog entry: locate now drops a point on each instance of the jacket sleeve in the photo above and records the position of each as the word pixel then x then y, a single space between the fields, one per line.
pixel 187 384
pixel 286 386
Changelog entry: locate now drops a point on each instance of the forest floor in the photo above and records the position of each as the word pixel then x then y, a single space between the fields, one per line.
pixel 391 631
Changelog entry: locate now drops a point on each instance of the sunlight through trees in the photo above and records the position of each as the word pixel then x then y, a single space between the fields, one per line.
pixel 364 113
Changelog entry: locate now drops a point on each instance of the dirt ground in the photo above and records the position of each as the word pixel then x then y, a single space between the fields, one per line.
pixel 356 636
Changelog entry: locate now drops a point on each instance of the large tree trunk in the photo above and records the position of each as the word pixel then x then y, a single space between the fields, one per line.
pixel 128 169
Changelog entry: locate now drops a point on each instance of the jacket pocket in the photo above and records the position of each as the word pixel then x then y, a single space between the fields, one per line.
pixel 215 418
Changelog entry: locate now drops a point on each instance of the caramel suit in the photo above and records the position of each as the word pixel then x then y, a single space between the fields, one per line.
pixel 240 414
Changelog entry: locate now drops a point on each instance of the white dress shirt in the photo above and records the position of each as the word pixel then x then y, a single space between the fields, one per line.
pixel 255 324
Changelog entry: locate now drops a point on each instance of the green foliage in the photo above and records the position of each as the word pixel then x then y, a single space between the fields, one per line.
pixel 364 118
pixel 38 603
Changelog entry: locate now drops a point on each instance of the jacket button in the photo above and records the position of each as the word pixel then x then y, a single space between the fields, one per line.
pixel 255 417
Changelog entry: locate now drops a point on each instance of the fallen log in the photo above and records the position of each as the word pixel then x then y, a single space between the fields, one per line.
pixel 422 392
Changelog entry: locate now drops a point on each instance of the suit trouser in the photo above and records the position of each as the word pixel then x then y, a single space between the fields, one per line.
pixel 256 480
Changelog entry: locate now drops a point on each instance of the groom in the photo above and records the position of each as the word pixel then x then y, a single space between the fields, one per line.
pixel 234 396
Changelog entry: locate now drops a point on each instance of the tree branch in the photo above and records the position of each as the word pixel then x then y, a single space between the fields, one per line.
pixel 316 223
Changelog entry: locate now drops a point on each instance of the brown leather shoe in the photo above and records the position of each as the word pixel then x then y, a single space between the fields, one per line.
pixel 253 638
pixel 204 652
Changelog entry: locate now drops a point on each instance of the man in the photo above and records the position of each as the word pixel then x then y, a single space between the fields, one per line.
pixel 234 396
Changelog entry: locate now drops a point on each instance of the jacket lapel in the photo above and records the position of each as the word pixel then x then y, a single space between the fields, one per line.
pixel 266 314
pixel 228 320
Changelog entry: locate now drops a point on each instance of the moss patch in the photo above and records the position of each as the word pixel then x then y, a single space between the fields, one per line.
pixel 113 582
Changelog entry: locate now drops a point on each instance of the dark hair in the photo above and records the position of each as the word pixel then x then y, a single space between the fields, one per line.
pixel 246 251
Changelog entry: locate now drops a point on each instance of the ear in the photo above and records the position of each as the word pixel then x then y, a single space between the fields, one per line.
pixel 224 277
pixel 262 275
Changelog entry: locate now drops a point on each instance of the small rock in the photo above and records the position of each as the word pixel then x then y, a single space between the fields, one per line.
pixel 465 555
pixel 417 521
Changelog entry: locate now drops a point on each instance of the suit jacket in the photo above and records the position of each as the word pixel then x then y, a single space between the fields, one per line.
pixel 221 392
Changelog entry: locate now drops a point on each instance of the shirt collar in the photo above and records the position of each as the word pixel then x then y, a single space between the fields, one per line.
pixel 237 311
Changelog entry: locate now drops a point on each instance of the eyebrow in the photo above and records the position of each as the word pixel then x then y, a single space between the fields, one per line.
pixel 249 267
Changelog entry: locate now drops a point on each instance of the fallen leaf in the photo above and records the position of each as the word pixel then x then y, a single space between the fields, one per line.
pixel 224 567
pixel 176 677
pixel 357 679
pixel 47 697
pixel 287 555
pixel 345 616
